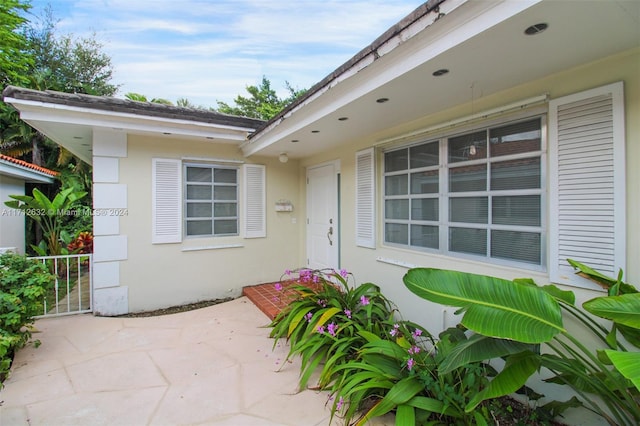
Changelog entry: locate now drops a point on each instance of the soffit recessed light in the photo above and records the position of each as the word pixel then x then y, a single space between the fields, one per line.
pixel 84 144
pixel 440 72
pixel 536 29
pixel 295 140
pixel 382 100
pixel 166 133
pixel 315 131
pixel 78 137
pixel 210 138
pixel 343 118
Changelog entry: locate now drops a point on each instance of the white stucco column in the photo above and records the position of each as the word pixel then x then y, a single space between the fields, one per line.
pixel 109 204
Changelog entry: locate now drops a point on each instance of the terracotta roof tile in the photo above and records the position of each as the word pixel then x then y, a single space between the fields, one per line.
pixel 28 165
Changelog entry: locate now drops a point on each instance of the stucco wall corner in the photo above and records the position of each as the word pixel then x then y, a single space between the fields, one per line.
pixel 111 302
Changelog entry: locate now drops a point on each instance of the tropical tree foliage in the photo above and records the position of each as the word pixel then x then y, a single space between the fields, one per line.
pixel 66 63
pixel 263 102
pixel 186 103
pixel 55 62
pixel 14 64
pixel 48 61
pixel 49 214
pixel 138 97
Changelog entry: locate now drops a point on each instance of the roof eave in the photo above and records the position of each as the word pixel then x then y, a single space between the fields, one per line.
pixel 47 111
pixel 111 105
pixel 28 175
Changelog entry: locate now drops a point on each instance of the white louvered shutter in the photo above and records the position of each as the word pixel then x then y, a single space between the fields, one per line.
pixel 255 209
pixel 587 183
pixel 166 201
pixel 365 198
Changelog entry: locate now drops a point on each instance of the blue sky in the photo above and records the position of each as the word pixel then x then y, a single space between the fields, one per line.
pixel 209 50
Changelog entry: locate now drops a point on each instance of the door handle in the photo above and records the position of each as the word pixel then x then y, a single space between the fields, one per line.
pixel 329 234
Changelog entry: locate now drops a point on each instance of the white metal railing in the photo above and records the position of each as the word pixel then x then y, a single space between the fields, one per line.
pixel 73 289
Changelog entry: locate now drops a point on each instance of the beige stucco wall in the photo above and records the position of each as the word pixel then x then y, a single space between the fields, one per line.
pixel 11 220
pixel 363 262
pixel 152 273
pixel 160 275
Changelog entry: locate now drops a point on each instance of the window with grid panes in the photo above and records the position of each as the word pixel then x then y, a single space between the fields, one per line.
pixel 475 194
pixel 211 200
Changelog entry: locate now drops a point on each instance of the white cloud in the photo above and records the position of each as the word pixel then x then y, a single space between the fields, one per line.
pixel 211 50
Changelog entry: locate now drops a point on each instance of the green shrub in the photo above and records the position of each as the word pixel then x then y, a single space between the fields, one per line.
pixel 23 284
pixel 373 363
pixel 324 317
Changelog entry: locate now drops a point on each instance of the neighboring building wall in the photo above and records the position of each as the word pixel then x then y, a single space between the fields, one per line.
pixel 162 275
pixel 11 221
pixel 386 265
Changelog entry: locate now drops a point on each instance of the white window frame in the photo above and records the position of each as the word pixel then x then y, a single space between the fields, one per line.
pixel 443 196
pixel 212 184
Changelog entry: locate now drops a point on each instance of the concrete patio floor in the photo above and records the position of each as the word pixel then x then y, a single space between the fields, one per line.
pixel 213 365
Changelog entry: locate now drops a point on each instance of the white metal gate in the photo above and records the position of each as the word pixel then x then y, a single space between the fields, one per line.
pixel 73 289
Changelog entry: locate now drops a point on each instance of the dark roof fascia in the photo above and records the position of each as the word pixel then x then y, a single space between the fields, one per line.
pixel 396 29
pixel 111 104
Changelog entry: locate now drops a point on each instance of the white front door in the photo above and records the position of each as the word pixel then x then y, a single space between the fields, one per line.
pixel 322 216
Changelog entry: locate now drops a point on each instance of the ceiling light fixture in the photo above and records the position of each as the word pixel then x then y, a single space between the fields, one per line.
pixel 295 140
pixel 440 72
pixel 382 100
pixel 343 118
pixel 536 29
pixel 283 157
pixel 315 131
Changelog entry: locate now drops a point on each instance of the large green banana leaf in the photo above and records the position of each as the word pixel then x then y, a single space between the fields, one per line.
pixel 492 306
pixel 480 348
pixel 623 309
pixel 628 364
